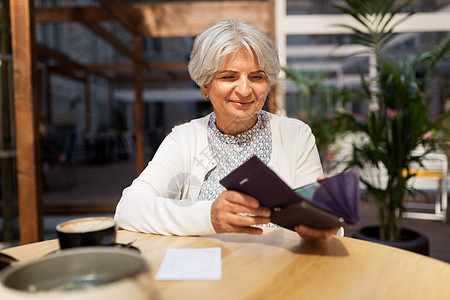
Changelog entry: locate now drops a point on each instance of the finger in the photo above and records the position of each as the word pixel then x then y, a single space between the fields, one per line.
pixel 241 199
pixel 313 233
pixel 237 202
pixel 229 222
pixel 239 220
pixel 260 211
pixel 245 220
pixel 226 221
pixel 247 230
pixel 321 178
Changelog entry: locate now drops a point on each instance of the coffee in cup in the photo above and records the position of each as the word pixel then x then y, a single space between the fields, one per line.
pixel 95 231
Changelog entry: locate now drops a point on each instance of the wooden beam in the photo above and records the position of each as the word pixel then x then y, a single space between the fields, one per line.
pixel 109 37
pixel 77 71
pixel 174 19
pixel 115 42
pixel 63 60
pixel 255 12
pixel 26 108
pixel 73 69
pixel 129 68
pixel 139 107
pixel 72 14
pixel 128 17
pixel 165 19
pixel 152 79
pixel 66 72
pixel 114 68
pixel 89 17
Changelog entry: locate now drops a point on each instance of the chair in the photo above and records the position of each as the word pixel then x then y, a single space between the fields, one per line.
pixel 432 176
pixel 58 171
pixel 128 139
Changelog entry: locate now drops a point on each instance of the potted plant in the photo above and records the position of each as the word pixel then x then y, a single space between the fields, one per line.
pixel 317 104
pixel 398 121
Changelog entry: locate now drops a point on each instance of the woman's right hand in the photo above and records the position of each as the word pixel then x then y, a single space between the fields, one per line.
pixel 225 215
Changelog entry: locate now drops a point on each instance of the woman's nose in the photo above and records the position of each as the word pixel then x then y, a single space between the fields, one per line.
pixel 243 87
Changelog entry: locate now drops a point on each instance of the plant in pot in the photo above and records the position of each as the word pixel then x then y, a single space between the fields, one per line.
pixel 397 123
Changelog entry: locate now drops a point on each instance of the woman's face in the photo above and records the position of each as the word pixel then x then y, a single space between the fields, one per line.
pixel 237 92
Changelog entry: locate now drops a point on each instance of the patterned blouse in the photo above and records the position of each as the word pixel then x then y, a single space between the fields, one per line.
pixel 229 152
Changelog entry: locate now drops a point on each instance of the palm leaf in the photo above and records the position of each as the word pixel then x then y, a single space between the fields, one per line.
pixel 377 17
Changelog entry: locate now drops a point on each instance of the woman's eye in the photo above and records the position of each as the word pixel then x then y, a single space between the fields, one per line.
pixel 227 77
pixel 258 76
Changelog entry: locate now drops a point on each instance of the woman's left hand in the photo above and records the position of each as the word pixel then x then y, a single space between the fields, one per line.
pixel 309 233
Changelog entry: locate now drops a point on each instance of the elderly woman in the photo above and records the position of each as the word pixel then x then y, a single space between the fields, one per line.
pixel 235 65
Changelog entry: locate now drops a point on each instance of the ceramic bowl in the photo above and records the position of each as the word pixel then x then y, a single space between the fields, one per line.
pixel 80 273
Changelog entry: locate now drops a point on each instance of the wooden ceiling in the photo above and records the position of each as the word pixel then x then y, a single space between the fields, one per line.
pixel 163 19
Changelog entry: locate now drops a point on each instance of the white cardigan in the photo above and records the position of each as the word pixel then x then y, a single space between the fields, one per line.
pixel 163 198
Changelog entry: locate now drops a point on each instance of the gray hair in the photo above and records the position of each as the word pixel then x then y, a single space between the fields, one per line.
pixel 223 38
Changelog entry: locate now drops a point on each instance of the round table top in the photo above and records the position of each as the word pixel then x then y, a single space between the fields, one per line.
pixel 280 265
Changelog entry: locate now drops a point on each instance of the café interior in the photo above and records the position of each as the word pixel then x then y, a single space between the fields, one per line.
pixel 110 79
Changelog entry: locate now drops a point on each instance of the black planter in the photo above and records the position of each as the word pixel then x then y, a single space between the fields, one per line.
pixel 410 240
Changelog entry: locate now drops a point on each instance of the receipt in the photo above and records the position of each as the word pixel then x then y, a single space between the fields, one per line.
pixel 191 264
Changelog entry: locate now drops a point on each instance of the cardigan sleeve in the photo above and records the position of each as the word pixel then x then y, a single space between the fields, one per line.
pixel 153 202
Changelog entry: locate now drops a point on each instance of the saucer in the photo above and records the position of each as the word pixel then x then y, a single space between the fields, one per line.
pixel 116 245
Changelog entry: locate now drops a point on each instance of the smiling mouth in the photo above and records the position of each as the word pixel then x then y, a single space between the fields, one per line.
pixel 242 102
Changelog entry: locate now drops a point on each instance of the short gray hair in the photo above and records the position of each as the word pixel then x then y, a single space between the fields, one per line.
pixel 223 38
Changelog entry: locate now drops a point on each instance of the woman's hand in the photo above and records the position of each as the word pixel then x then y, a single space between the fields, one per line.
pixel 225 217
pixel 311 234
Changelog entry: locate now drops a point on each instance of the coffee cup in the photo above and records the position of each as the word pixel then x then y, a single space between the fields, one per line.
pixel 83 232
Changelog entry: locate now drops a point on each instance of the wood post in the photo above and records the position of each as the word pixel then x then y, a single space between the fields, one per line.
pixel 139 106
pixel 27 121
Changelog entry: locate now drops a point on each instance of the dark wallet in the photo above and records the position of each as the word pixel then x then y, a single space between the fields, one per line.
pixel 332 203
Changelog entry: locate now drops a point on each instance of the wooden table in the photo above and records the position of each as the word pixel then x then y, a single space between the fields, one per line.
pixel 279 265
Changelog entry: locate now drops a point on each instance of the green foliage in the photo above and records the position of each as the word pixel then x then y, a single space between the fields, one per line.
pixel 317 104
pixel 377 19
pixel 396 126
pixel 400 122
pixel 400 125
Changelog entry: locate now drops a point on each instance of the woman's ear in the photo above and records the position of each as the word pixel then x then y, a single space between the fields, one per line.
pixel 205 93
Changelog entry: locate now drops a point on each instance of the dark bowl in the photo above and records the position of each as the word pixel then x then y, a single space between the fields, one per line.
pixel 83 232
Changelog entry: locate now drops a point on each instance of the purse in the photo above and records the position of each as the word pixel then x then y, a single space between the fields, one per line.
pixel 332 203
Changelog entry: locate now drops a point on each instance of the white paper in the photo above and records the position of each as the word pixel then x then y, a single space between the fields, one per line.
pixel 191 264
